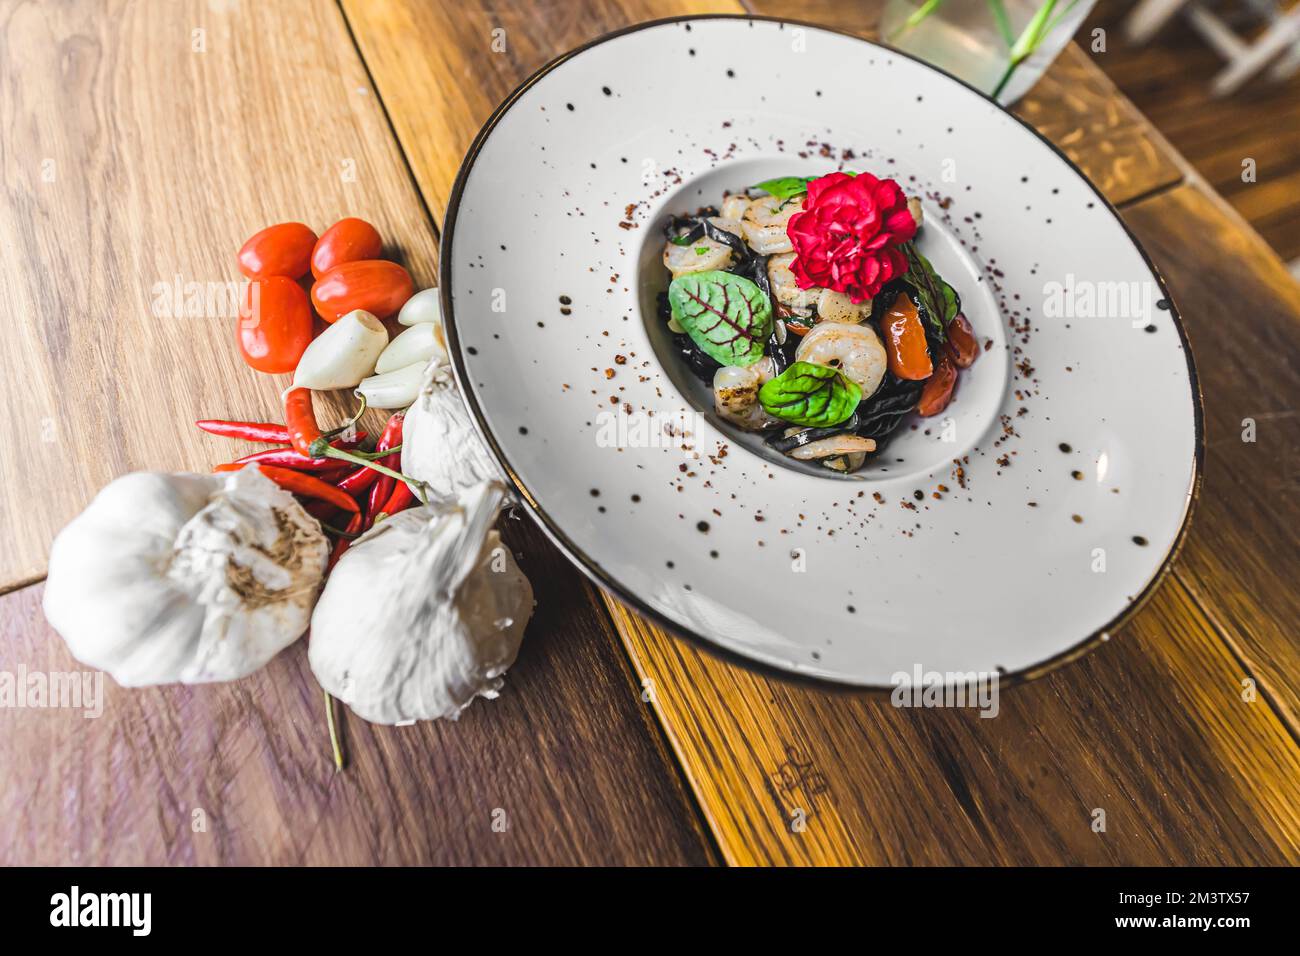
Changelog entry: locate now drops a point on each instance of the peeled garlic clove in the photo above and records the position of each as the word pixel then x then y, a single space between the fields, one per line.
pixel 419 343
pixel 342 355
pixel 423 613
pixel 423 307
pixel 184 578
pixel 393 389
pixel 439 444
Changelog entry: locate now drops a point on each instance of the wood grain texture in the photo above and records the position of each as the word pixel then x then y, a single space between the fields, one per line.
pixel 442 67
pixel 1242 312
pixel 1080 110
pixel 1151 729
pixel 1074 105
pixel 1169 80
pixel 142 143
pixel 568 758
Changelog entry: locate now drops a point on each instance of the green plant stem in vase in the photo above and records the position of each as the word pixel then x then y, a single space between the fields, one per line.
pixel 1020 48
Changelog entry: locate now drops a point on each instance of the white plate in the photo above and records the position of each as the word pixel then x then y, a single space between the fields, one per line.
pixel 550 266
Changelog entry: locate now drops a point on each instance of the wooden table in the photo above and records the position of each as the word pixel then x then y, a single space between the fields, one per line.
pixel 143 141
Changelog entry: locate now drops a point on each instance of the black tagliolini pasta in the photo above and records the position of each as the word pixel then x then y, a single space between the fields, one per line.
pixel 806 306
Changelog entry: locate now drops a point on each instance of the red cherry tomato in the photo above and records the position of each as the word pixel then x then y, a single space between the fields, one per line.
pixel 283 250
pixel 348 240
pixel 960 343
pixel 275 324
pixel 905 341
pixel 376 285
pixel 937 392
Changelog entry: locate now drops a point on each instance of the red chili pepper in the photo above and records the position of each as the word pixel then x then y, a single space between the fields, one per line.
pixel 249 431
pixel 300 421
pixel 402 498
pixel 307 439
pixel 288 458
pixel 299 483
pixel 320 510
pixel 342 544
pixel 382 489
pixel 354 483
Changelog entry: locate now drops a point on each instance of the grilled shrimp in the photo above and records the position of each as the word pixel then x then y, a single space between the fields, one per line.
pixel 735 393
pixel 734 205
pixel 835 306
pixel 786 288
pixel 765 222
pixel 846 444
pixel 699 256
pixel 853 349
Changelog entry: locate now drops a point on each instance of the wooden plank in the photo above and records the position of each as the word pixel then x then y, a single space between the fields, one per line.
pixel 1080 110
pixel 1169 80
pixel 144 143
pixel 443 67
pixel 166 147
pixel 929 786
pixel 1151 729
pixel 1074 105
pixel 1242 312
pixel 567 758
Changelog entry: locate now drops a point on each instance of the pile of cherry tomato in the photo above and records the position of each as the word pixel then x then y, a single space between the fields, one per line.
pixel 275 319
pixel 338 480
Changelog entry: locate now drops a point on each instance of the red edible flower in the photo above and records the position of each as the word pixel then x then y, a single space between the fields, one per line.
pixel 847 236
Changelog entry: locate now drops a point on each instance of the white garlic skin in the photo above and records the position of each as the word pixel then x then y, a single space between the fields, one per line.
pixel 423 613
pixel 168 578
pixel 439 444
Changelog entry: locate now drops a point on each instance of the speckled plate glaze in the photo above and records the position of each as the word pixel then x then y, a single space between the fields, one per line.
pixel 1009 535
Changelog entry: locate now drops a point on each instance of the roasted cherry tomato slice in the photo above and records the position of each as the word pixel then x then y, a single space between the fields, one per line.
pixel 348 240
pixel 905 341
pixel 275 324
pixel 283 250
pixel 960 343
pixel 376 285
pixel 937 392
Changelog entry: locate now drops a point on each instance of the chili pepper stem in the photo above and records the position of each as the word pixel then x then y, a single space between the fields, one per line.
pixel 338 532
pixel 350 423
pixel 334 733
pixel 328 451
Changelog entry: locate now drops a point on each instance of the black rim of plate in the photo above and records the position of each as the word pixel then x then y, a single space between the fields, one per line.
pixel 608 582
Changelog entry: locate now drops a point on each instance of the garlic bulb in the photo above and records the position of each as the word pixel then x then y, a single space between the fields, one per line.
pixel 180 577
pixel 439 444
pixel 423 613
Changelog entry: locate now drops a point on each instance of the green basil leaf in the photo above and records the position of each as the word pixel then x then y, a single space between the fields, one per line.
pixel 938 298
pixel 786 187
pixel 815 396
pixel 727 316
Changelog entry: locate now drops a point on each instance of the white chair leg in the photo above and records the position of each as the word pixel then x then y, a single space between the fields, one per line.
pixel 1148 17
pixel 1284 32
pixel 1287 64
